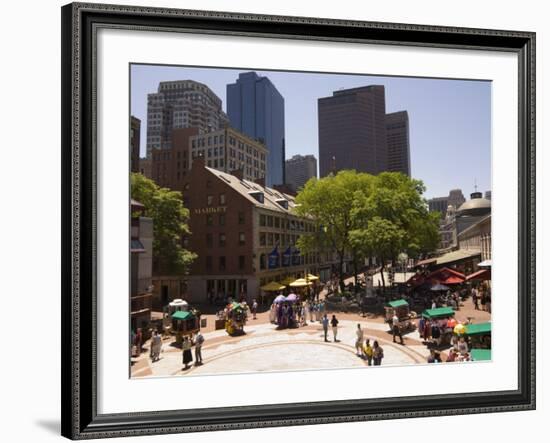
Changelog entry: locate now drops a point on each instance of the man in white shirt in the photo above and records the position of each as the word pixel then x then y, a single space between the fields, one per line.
pixel 396 329
pixel 359 341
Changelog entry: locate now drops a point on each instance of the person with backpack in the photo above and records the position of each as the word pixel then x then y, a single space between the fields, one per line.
pixel 199 341
pixel 368 352
pixel 334 324
pixel 324 321
pixel 377 353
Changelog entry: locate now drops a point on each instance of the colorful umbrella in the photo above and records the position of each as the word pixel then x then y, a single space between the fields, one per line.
pixel 459 329
pixel 291 298
pixel 272 286
pixel 279 299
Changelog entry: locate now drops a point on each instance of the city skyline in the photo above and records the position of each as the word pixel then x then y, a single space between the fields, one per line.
pixel 450 120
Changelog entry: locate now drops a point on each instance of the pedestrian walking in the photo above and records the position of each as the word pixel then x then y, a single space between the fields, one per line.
pixel 199 340
pixel 325 326
pixel 359 341
pixel 186 352
pixel 139 341
pixel 156 346
pixel 334 324
pixel 254 309
pixel 377 353
pixel 397 329
pixel 369 352
pixel 475 300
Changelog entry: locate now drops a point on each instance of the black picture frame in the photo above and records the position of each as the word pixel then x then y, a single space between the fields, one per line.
pixel 79 170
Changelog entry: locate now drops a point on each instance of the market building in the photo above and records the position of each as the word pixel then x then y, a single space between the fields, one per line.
pixel 244 234
pixel 141 267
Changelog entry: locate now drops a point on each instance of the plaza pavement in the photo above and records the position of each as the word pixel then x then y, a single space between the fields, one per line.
pixel 264 348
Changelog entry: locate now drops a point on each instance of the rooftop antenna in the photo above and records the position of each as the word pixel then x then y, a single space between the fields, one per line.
pixel 475 184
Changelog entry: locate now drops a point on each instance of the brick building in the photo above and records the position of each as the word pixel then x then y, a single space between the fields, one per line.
pixel 243 233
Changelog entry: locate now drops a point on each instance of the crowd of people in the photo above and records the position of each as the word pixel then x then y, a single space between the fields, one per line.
pixel 287 314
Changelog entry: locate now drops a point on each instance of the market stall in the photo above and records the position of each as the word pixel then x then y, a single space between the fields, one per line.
pixel 401 309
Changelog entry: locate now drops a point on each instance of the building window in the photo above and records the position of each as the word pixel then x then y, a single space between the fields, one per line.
pixel 262 238
pixel 209 200
pixel 209 242
pixel 209 263
pixel 222 219
pixel 222 264
pixel 222 239
pixel 270 239
pixel 241 262
pixel 270 221
pixel 222 199
pixel 241 238
pixel 262 220
pixel 241 218
pixel 277 222
pixel 209 220
pixel 262 261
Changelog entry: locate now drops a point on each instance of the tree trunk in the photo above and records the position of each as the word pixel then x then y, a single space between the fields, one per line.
pixel 341 272
pixel 355 272
pixel 382 275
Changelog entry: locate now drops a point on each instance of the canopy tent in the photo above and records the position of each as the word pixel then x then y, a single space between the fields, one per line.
pixel 178 302
pixel 183 315
pixel 272 287
pixel 428 261
pixel 482 274
pixel 397 303
pixel 300 283
pixel 438 313
pixel 311 277
pixel 480 354
pixel 478 328
pixel 452 280
pixel 485 264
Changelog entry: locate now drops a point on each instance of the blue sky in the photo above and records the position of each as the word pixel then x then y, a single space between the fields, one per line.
pixel 449 120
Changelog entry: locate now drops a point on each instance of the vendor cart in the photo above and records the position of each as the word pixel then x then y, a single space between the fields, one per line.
pixel 478 335
pixel 401 309
pixel 235 318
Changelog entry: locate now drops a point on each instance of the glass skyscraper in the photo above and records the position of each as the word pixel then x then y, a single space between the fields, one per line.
pixel 257 109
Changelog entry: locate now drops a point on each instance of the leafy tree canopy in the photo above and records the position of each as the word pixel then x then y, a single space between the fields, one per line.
pixel 170 220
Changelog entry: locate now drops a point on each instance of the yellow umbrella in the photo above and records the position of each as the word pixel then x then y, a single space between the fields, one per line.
pixel 300 283
pixel 311 277
pixel 459 329
pixel 287 281
pixel 272 286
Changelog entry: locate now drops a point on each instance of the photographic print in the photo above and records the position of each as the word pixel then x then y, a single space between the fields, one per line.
pixel 291 221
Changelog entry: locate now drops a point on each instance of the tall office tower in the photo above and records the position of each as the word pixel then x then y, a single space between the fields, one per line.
pixel 181 104
pixel 456 198
pixel 488 195
pixel 257 109
pixel 299 169
pixel 352 130
pixel 135 128
pixel 441 204
pixel 397 130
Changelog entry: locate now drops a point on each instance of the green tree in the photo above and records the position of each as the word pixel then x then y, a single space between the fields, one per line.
pixel 394 218
pixel 170 220
pixel 330 203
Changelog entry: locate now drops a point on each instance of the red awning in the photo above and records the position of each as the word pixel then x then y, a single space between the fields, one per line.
pixel 452 280
pixel 483 274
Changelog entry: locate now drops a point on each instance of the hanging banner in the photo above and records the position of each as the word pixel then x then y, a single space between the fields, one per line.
pixel 286 257
pixel 274 258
